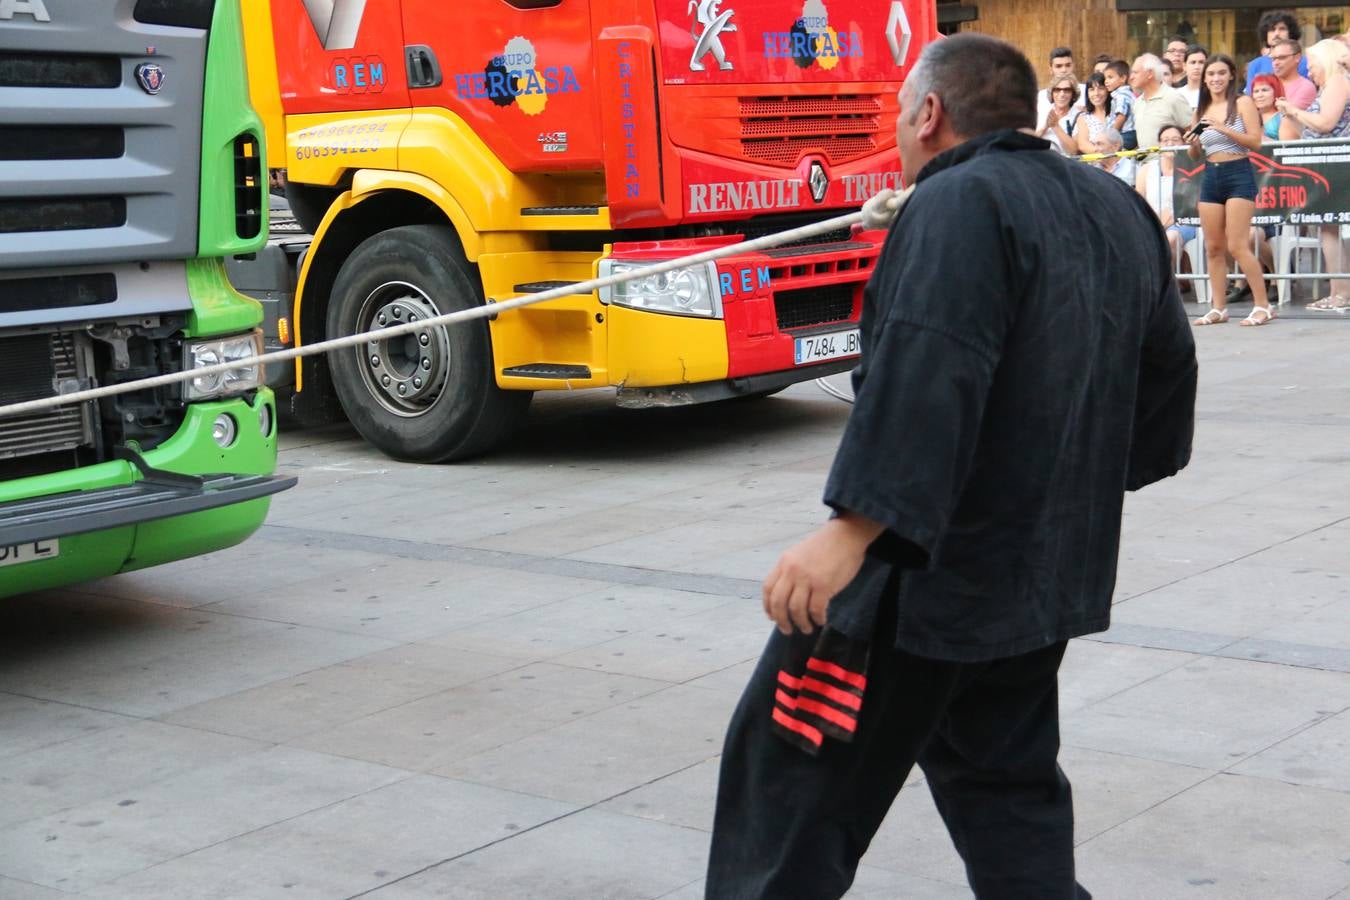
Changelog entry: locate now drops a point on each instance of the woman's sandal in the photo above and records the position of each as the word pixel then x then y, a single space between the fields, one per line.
pixel 1213 317
pixel 1330 303
pixel 1252 320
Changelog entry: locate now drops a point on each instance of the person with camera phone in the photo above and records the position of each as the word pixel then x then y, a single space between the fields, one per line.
pixel 1226 129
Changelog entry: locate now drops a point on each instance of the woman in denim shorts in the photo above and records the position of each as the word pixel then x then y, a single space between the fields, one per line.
pixel 1227 128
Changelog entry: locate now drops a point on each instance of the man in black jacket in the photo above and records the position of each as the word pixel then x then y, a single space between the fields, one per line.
pixel 1026 360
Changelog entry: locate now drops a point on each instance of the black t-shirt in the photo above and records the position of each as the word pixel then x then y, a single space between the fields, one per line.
pixel 1026 360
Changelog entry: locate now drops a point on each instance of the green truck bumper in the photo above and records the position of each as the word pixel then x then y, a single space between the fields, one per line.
pixel 143 511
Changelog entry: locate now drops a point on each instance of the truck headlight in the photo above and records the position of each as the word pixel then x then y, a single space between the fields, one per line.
pixel 681 292
pixel 200 354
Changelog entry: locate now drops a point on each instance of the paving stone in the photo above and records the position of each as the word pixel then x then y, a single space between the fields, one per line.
pixel 684 649
pixel 731 679
pixel 14 889
pixel 872 883
pixel 472 718
pixel 1325 626
pixel 404 599
pixel 221 660
pixel 86 845
pixel 328 697
pixel 582 621
pixel 685 797
pixel 680 546
pixel 1316 756
pixel 252 567
pixel 1241 599
pixel 914 841
pixel 28 724
pixel 571 533
pixel 1232 837
pixel 106 763
pixel 347 847
pixel 591 855
pixel 598 756
pixel 1093 671
pixel 1209 713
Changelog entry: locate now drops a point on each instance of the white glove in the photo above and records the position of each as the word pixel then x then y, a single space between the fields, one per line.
pixel 880 210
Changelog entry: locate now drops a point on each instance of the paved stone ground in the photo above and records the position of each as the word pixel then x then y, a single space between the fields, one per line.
pixel 511 678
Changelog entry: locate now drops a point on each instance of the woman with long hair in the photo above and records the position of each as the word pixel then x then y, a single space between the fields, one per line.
pixel 1096 115
pixel 1327 116
pixel 1059 118
pixel 1229 129
pixel 1266 89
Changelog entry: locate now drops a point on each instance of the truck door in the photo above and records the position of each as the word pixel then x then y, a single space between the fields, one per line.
pixel 339 55
pixel 519 72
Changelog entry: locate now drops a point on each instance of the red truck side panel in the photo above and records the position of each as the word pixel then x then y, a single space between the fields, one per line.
pixel 339 55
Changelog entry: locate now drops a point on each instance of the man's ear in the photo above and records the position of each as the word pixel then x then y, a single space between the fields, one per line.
pixel 931 117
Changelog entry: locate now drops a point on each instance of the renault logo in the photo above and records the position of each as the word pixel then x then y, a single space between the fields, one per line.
pixel 819 182
pixel 336 22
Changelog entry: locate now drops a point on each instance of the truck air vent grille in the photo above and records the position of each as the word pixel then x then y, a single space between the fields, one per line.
pixel 248 187
pixel 57 292
pixel 19 214
pixel 814 306
pixel 765 225
pixel 31 366
pixel 59 70
pixel 181 13
pixel 31 143
pixel 780 129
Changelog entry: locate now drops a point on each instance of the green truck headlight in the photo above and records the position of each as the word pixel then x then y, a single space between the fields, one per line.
pixel 246 377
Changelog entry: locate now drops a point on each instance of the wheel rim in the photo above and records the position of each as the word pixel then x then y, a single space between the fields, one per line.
pixel 406 374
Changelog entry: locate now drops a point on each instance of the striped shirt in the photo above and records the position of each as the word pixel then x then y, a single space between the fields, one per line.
pixel 1216 142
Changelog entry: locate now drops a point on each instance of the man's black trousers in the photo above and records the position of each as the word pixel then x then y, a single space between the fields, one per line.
pixel 986 735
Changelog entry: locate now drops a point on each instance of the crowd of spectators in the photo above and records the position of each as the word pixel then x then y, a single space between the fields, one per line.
pixel 1189 100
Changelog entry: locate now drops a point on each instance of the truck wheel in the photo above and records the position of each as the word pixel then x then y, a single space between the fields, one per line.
pixel 430 396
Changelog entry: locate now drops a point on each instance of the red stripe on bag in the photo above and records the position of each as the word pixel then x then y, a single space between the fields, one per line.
pixel 811 734
pixel 844 675
pixel 788 681
pixel 828 713
pixel 843 698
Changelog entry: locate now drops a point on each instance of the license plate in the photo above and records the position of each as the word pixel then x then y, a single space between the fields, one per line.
pixel 831 345
pixel 33 550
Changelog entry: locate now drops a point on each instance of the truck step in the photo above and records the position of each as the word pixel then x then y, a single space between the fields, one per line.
pixel 558 371
pixel 538 287
pixel 560 211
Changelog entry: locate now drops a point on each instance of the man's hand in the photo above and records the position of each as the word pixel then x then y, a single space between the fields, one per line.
pixel 880 209
pixel 809 574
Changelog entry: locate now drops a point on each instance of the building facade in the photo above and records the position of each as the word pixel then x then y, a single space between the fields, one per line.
pixel 1126 28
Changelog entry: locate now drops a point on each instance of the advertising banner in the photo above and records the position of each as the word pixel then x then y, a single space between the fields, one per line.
pixel 1301 184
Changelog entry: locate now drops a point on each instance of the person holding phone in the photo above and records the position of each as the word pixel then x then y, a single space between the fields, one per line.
pixel 1227 128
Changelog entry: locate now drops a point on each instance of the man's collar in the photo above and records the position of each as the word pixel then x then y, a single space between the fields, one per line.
pixel 1003 140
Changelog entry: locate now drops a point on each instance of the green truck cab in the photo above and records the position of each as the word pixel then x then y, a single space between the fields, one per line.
pixel 130 170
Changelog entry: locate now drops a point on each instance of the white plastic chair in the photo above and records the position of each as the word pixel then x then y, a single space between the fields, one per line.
pixel 1285 246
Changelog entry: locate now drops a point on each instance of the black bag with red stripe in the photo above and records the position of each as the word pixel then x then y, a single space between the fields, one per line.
pixel 822 678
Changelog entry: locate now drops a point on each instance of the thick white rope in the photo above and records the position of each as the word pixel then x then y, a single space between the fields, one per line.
pixel 478 312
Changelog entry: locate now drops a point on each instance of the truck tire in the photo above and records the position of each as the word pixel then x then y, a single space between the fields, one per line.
pixel 431 396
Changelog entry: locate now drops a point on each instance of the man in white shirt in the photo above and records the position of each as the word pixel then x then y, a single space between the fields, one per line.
pixel 1157 104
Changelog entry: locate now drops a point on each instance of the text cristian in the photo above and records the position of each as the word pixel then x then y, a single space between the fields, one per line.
pixel 725 196
pixel 552 80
